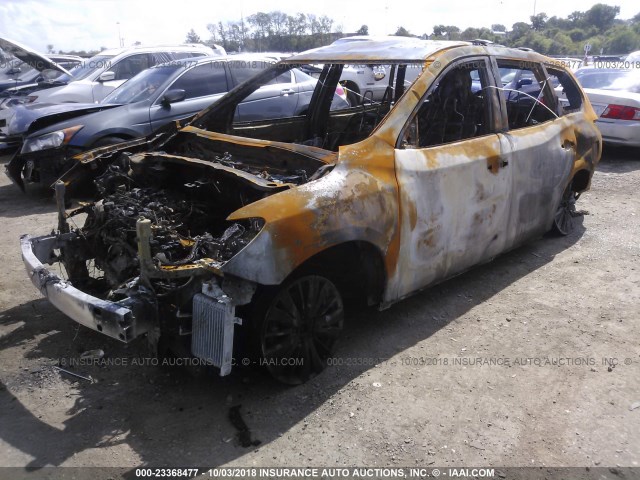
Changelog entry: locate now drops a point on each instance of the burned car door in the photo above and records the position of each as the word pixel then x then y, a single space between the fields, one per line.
pixel 202 85
pixel 541 147
pixel 454 185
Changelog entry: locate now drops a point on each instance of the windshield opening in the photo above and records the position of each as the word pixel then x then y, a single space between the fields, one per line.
pixel 143 86
pixel 87 67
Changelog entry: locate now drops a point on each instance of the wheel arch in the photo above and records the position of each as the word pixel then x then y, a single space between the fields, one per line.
pixel 581 180
pixel 103 135
pixel 356 267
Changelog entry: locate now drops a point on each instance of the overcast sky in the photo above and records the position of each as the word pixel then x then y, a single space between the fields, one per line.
pixel 89 25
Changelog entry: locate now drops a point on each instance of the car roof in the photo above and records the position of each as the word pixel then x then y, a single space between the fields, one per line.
pixel 393 49
pixel 371 38
pixel 397 50
pixel 159 48
pixel 243 57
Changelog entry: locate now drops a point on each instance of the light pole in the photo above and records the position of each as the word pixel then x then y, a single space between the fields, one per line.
pixel 119 36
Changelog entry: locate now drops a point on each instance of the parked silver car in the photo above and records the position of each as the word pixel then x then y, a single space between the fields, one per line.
pixel 98 76
pixel 615 97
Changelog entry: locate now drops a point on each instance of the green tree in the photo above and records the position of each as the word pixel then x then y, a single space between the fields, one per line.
pixel 363 30
pixel 601 16
pixel 402 32
pixel 622 40
pixel 498 27
pixel 213 30
pixel 450 32
pixel 469 34
pixel 561 44
pixel 576 18
pixel 577 35
pixel 538 21
pixel 519 30
pixel 193 37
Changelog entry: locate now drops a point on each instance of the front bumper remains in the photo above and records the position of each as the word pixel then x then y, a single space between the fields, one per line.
pixel 124 320
pixel 213 311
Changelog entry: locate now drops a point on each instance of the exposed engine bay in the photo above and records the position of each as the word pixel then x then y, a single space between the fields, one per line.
pixel 185 199
pixel 149 257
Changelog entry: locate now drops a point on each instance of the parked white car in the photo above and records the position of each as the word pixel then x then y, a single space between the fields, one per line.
pixel 615 97
pixel 367 83
pixel 98 76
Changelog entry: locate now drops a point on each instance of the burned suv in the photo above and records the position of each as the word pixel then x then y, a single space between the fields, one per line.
pixel 223 234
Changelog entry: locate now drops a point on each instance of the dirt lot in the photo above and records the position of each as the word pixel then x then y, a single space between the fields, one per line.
pixel 537 323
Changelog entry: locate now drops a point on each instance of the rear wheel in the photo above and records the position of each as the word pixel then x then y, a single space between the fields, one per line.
pixel 298 328
pixel 563 222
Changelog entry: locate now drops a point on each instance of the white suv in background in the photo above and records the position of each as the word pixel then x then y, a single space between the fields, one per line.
pixel 368 83
pixel 98 76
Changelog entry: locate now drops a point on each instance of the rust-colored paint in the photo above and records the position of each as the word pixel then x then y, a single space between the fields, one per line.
pixel 314 152
pixel 368 168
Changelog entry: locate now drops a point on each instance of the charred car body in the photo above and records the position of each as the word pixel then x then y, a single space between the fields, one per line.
pixel 275 224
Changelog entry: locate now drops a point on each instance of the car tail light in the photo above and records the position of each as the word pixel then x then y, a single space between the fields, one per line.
pixel 620 112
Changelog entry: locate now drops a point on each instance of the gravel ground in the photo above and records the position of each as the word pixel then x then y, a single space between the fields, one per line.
pixel 502 366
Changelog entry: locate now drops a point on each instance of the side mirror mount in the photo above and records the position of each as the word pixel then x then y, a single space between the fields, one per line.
pixel 173 96
pixel 107 76
pixel 524 81
pixel 378 72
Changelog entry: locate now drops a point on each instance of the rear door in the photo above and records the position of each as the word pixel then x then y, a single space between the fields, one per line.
pixel 539 146
pixel 454 186
pixel 277 99
pixel 203 85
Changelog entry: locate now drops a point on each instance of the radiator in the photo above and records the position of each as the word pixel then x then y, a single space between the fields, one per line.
pixel 212 331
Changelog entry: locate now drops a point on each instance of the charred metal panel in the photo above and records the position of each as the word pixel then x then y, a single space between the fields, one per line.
pixel 395 50
pixel 454 211
pixel 541 160
pixel 347 204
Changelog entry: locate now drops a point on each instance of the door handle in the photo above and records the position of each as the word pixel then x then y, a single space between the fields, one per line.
pixel 494 164
pixel 286 91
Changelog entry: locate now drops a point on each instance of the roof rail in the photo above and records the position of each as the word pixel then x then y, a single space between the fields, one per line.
pixel 482 41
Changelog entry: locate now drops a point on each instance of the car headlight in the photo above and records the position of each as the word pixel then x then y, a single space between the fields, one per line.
pixel 49 140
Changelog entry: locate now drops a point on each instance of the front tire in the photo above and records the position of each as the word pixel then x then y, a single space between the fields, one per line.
pixel 298 327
